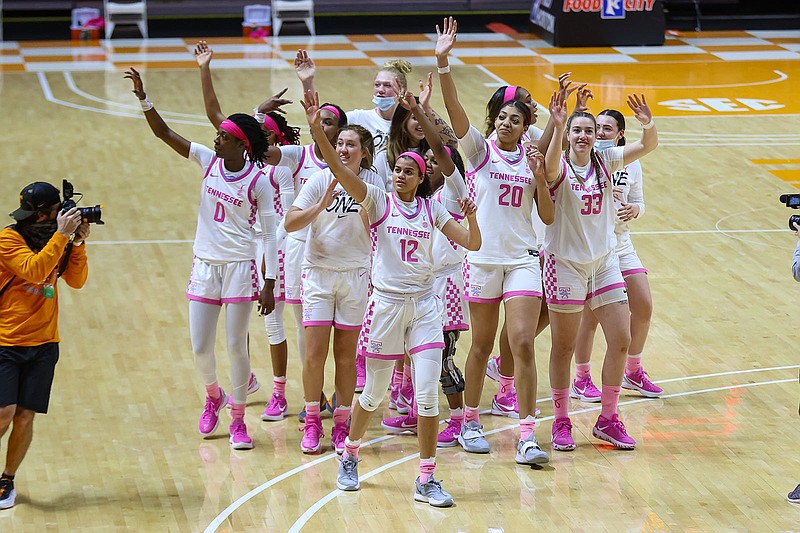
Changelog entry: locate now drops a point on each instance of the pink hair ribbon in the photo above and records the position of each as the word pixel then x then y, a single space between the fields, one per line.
pixel 510 93
pixel 418 159
pixel 272 126
pixel 231 127
pixel 332 110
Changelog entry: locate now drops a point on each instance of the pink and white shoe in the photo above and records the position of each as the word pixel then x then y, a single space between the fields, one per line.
pixel 209 419
pixel 240 440
pixel 312 434
pixel 613 430
pixel 361 372
pixel 448 437
pixel 493 368
pixel 252 386
pixel 400 424
pixel 584 390
pixel 404 398
pixel 562 435
pixel 338 434
pixel 638 381
pixel 506 404
pixel 276 408
pixel 393 394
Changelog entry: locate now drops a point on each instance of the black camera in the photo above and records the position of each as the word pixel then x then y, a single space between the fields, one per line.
pixel 88 214
pixel 793 201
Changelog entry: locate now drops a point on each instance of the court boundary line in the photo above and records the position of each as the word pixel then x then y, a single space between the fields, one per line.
pixel 781 77
pixel 228 511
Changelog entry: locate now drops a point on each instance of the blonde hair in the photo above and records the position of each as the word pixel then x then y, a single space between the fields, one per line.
pixel 398 68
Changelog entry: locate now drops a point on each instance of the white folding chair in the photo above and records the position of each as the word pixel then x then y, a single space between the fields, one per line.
pixel 293 11
pixel 120 12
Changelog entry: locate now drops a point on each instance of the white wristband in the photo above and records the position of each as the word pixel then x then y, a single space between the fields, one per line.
pixel 649 124
pixel 146 104
pixel 443 70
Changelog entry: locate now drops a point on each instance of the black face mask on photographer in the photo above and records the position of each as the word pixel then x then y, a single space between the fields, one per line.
pixel 37 234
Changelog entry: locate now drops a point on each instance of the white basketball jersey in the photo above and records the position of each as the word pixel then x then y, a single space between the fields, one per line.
pixel 303 163
pixel 583 229
pixel 228 211
pixel 446 253
pixel 502 186
pixel 531 134
pixel 403 239
pixel 629 179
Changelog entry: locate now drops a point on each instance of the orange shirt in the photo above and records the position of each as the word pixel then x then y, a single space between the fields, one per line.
pixel 27 318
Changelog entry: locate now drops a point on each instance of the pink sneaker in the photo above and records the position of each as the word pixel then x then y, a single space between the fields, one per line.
pixel 252 386
pixel 400 424
pixel 584 390
pixel 393 394
pixel 506 404
pixel 638 381
pixel 312 433
pixel 361 372
pixel 209 419
pixel 338 434
pixel 562 435
pixel 240 440
pixel 276 408
pixel 493 368
pixel 449 435
pixel 404 398
pixel 613 431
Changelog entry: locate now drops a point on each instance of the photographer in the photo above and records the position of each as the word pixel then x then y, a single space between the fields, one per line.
pixel 43 245
pixel 794 496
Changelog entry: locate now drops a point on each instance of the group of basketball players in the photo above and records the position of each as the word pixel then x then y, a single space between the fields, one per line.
pixel 362 231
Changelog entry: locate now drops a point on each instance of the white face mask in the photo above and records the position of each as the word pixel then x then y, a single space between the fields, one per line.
pixel 384 103
pixel 602 144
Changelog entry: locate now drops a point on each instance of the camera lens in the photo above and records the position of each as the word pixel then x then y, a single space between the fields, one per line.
pixel 794 219
pixel 92 214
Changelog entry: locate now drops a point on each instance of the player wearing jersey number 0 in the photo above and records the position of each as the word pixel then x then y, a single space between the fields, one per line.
pixel 403 314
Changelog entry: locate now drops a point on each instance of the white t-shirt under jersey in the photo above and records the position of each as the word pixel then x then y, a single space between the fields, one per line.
pixel 502 186
pixel 629 179
pixel 403 237
pixel 447 253
pixel 337 238
pixel 374 123
pixel 583 229
pixel 230 204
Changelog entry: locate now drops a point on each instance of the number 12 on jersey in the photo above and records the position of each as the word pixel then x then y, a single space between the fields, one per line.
pixel 407 249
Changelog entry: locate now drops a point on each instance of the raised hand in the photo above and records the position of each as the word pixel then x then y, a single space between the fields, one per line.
pixel 400 94
pixel 202 54
pixel 304 66
pixel 425 90
pixel 582 97
pixel 330 194
pixel 310 104
pixel 535 160
pixel 558 109
pixel 446 37
pixel 640 109
pixel 138 86
pixel 274 103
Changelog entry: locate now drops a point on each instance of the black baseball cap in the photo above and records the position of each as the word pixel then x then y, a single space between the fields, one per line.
pixel 34 198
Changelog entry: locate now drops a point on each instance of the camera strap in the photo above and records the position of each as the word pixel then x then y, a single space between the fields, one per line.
pixel 7 285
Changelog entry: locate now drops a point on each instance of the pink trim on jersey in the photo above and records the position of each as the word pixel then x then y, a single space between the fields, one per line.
pixel 427 209
pixel 203 300
pixel 565 302
pixel 511 294
pixel 477 300
pixel 252 298
pixel 346 327
pixel 483 163
pixel 605 170
pixel 293 302
pixel 504 158
pixel 461 326
pixel 429 346
pixel 311 323
pixel 379 222
pixel 631 272
pixel 607 288
pixel 253 186
pixel 320 164
pixel 411 216
pixel 561 179
pixel 385 357
pixel 232 180
pixel 209 167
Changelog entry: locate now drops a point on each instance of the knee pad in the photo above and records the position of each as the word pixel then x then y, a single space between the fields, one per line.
pixel 368 402
pixel 452 380
pixel 426 395
pixel 273 323
pixel 428 410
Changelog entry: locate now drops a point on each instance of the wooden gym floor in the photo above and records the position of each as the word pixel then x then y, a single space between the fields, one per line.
pixel 119 449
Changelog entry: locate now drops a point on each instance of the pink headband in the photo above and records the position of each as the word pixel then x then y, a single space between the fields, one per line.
pixel 510 93
pixel 449 151
pixel 418 159
pixel 332 110
pixel 231 127
pixel 272 126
